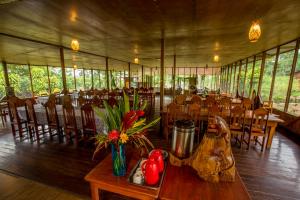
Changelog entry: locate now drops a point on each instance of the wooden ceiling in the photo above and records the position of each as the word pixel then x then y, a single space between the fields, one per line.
pixel 194 30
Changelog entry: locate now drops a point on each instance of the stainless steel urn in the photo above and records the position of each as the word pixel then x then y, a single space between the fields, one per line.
pixel 183 138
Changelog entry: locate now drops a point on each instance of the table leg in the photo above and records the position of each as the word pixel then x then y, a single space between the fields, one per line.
pixel 272 133
pixel 94 192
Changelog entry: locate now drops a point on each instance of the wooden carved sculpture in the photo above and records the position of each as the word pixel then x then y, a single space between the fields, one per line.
pixel 213 159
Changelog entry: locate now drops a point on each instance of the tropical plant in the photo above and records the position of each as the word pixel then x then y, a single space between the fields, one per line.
pixel 124 124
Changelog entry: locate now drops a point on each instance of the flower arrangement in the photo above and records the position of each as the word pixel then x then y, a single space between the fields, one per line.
pixel 123 124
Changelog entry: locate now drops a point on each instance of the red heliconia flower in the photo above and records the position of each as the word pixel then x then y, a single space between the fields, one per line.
pixel 113 135
pixel 140 113
pixel 129 119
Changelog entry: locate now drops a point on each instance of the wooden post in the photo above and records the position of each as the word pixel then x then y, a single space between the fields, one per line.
pixel 63 71
pixel 262 68
pixel 228 79
pixel 30 77
pixel 274 73
pixel 106 72
pixel 129 74
pixel 49 84
pixel 250 92
pixel 151 77
pixel 74 74
pixel 230 76
pixel 174 76
pixel 162 70
pixel 5 73
pixel 287 101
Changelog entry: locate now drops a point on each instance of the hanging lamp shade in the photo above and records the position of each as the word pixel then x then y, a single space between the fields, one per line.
pixel 254 32
pixel 74 66
pixel 216 58
pixel 136 60
pixel 75 45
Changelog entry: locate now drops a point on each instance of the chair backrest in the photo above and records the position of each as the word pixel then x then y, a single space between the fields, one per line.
pixel 259 120
pixel 96 101
pixel 247 103
pixel 210 101
pixel 268 105
pixel 51 113
pixel 237 116
pixel 214 110
pixel 196 99
pixel 226 103
pixel 194 111
pixel 88 118
pixel 13 104
pixel 69 115
pixel 112 101
pixel 31 117
pixel 180 99
pixel 81 100
pixel 172 110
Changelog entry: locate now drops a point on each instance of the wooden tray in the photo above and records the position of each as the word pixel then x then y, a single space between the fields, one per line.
pixel 154 187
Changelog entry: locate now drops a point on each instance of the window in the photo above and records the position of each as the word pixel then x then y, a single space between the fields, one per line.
pixel 19 79
pixel 232 71
pixel 88 79
pixel 248 75
pixel 40 82
pixel 96 79
pixel 294 103
pixel 242 78
pixel 256 73
pixel 79 79
pixel 103 79
pixel 282 77
pixel 56 83
pixel 268 74
pixel 168 78
pixel 70 79
pixel 2 82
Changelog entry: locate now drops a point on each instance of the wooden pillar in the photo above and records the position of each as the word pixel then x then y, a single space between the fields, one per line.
pixel 151 77
pixel 287 101
pixel 239 76
pixel 251 81
pixel 230 75
pixel 5 73
pixel 162 70
pixel 274 73
pixel 63 70
pixel 74 74
pixel 106 72
pixel 262 68
pixel 174 76
pixel 30 77
pixel 129 74
pixel 49 83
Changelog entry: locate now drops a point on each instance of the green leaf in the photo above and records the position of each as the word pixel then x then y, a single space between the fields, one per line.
pixel 145 103
pixel 126 103
pixel 111 116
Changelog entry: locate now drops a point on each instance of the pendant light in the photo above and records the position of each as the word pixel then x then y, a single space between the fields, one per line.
pixel 75 45
pixel 254 32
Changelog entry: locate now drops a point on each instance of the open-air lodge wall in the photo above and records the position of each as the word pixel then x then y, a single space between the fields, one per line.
pixel 274 74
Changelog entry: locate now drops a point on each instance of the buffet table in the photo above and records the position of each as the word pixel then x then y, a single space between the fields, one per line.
pixel 178 183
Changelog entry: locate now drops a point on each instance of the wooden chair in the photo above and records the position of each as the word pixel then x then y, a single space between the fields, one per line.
pixel 34 127
pixel 70 125
pixel 180 99
pixel 237 123
pixel 172 110
pixel 247 103
pixel 225 107
pixel 88 121
pixel 52 119
pixel 4 112
pixel 196 99
pixel 258 127
pixel 81 101
pixel 112 102
pixel 213 111
pixel 194 111
pixel 210 101
pixel 268 105
pixel 96 101
pixel 15 119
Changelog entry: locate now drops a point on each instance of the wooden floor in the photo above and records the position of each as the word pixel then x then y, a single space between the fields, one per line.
pixel 273 174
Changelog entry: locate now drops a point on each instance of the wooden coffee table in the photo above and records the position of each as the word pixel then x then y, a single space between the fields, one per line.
pixel 179 183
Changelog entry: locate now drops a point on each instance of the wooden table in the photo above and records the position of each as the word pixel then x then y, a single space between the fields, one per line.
pixel 179 183
pixel 102 178
pixel 184 183
pixel 272 122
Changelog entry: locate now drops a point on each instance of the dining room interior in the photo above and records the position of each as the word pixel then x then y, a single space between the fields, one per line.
pixel 149 99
